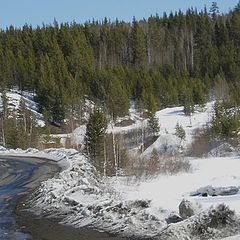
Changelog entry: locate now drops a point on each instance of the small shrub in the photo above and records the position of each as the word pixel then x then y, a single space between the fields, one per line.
pixel 215 223
pixel 157 164
pixel 175 164
pixel 203 142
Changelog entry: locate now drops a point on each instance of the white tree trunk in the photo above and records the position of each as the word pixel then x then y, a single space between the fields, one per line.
pixel 25 122
pixel 105 160
pixel 30 133
pixel 142 138
pixel 3 134
pixel 114 149
pixel 192 52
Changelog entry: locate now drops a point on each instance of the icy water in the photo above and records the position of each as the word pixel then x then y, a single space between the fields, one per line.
pixel 14 176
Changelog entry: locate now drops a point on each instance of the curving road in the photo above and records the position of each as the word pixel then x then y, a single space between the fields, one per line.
pixel 17 177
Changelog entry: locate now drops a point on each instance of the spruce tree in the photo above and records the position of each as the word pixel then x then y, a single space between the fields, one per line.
pixel 94 139
pixel 180 133
pixel 138 44
pixel 153 124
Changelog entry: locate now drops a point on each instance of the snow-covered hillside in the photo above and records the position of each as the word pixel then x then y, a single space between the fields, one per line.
pixel 147 207
pixel 168 119
pixel 14 97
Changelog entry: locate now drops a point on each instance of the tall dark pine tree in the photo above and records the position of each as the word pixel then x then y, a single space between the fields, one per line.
pixel 46 88
pixel 94 139
pixel 214 10
pixel 138 44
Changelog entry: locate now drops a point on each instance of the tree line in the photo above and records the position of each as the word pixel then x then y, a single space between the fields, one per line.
pixel 179 58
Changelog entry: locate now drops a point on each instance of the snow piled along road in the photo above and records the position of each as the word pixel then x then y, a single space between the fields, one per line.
pixel 82 198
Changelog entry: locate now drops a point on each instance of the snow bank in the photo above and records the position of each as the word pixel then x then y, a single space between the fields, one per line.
pixel 81 197
pixel 87 200
pixel 52 154
pixel 214 223
pixel 78 135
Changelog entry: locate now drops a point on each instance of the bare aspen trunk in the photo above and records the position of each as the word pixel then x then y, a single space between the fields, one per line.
pixel 192 52
pixel 118 155
pixel 30 137
pixel 114 150
pixel 105 160
pixel 190 119
pixel 149 52
pixel 105 53
pixel 25 122
pixel 114 153
pixel 3 134
pixel 100 58
pixel 142 138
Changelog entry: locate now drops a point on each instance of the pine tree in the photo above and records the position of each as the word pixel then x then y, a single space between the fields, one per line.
pixel 214 10
pixel 180 133
pixel 188 106
pixel 117 98
pixel 153 123
pixel 111 62
pixel 49 93
pixel 94 139
pixel 138 44
pixel 223 122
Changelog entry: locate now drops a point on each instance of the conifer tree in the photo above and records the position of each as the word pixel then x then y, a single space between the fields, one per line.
pixel 95 132
pixel 138 44
pixel 153 123
pixel 214 10
pixel 152 119
pixel 180 133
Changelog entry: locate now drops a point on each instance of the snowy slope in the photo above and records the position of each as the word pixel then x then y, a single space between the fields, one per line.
pixel 168 119
pixel 142 208
pixel 14 97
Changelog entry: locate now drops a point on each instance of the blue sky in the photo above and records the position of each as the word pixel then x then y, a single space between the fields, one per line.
pixel 35 12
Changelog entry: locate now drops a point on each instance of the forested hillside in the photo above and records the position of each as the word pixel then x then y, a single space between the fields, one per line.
pixel 180 58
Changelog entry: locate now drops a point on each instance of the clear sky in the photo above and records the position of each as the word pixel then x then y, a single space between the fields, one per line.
pixel 36 12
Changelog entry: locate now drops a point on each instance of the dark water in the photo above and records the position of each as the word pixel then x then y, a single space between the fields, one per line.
pixel 14 175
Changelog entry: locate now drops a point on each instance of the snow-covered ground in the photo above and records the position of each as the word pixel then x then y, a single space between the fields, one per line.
pixel 83 198
pixel 167 119
pixel 144 208
pixel 14 97
pixel 237 237
pixel 168 191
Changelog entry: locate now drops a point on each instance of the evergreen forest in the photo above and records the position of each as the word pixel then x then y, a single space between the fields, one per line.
pixel 176 59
